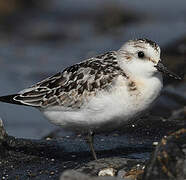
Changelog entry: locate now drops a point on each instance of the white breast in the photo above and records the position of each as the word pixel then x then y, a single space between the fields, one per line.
pixel 108 110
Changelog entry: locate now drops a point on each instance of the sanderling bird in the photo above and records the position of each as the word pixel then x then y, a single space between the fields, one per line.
pixel 101 93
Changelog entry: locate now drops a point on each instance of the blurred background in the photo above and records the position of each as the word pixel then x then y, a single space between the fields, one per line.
pixel 40 38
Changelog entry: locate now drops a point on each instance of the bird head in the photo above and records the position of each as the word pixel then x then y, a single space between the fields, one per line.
pixel 142 58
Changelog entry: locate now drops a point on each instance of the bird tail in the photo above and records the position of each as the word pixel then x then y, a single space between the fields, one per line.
pixel 10 99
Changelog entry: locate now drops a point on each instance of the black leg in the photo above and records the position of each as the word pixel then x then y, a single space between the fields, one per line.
pixel 90 141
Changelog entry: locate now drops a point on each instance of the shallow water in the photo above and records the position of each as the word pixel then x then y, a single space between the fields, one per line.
pixel 27 56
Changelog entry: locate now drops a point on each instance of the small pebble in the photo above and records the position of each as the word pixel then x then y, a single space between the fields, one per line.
pixel 107 172
pixel 52 173
pixel 155 143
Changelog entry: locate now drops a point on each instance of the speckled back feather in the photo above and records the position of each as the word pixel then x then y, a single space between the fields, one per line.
pixel 73 86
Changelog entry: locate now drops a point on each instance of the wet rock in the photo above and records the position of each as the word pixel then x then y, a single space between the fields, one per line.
pixel 132 174
pixel 73 175
pixel 135 173
pixel 168 162
pixel 112 165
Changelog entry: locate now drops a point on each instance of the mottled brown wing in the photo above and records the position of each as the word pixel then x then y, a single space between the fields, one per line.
pixel 72 87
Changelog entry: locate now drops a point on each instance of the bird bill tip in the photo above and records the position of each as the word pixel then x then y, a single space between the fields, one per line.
pixel 160 67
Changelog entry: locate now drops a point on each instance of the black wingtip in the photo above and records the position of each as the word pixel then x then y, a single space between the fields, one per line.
pixel 10 99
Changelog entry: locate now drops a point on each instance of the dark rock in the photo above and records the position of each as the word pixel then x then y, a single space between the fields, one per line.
pixel 168 162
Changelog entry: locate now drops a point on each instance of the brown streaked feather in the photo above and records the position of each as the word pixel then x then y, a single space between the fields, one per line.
pixel 73 86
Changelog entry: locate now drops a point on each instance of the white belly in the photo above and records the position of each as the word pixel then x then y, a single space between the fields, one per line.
pixel 107 111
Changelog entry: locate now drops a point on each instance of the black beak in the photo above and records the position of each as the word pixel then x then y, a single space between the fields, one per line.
pixel 160 67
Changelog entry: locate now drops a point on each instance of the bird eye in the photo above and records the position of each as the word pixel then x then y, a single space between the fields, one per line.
pixel 141 54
